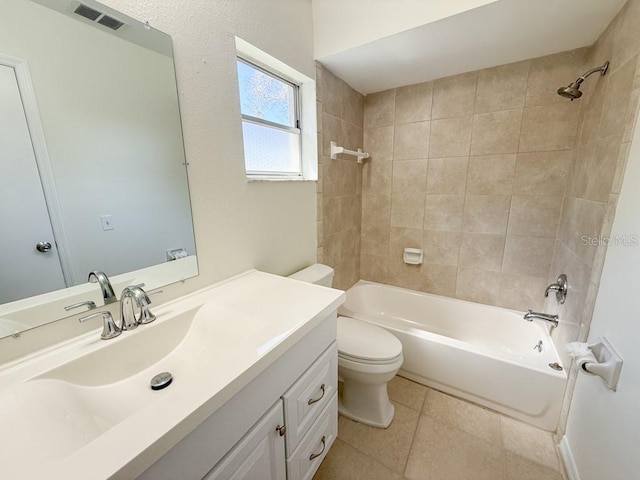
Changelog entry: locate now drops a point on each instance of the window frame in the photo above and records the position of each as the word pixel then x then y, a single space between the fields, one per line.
pixel 275 125
pixel 304 111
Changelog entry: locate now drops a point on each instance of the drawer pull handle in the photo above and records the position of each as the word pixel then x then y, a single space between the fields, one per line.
pixel 316 455
pixel 314 400
pixel 282 430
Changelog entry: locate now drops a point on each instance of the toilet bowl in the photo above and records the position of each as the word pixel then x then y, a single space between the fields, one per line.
pixel 368 358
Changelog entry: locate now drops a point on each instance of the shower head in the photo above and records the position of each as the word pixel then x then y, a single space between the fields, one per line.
pixel 572 91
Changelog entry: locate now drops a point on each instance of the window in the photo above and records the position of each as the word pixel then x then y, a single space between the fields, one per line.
pixel 279 123
pixel 270 123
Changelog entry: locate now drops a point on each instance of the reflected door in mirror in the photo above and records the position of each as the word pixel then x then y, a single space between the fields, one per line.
pixel 26 269
pixel 102 111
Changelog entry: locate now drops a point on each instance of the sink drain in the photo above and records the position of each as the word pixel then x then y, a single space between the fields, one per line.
pixel 162 380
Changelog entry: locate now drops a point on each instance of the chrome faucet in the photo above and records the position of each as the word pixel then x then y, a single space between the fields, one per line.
pixel 134 296
pixel 143 300
pixel 561 288
pixel 109 329
pixel 105 285
pixel 552 319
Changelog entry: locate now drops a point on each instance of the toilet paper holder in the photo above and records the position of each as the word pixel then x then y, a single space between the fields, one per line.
pixel 604 361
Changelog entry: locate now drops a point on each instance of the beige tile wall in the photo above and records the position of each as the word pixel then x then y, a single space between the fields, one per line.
pixel 606 122
pixel 473 169
pixel 493 174
pixel 340 119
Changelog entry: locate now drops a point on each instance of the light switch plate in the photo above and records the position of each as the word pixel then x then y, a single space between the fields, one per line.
pixel 107 222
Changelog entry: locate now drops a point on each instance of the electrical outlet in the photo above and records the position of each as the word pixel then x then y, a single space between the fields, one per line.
pixel 107 222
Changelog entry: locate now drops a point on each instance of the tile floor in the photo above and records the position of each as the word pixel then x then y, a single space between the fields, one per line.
pixel 439 437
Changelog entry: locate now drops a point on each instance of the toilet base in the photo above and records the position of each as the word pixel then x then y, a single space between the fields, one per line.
pixel 365 403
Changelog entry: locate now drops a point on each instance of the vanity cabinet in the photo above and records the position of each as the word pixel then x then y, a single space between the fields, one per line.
pixel 311 416
pixel 260 454
pixel 308 397
pixel 303 462
pixel 242 440
pixel 310 420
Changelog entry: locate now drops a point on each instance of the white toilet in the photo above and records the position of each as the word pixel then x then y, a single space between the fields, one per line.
pixel 368 357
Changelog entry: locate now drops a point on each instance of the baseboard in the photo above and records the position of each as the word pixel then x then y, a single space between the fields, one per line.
pixel 568 460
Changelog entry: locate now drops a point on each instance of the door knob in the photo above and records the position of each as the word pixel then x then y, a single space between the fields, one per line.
pixel 43 247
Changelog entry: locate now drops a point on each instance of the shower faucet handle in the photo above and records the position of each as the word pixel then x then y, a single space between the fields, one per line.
pixel 561 287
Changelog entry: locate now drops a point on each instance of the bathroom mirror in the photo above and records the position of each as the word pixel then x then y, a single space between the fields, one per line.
pixel 92 171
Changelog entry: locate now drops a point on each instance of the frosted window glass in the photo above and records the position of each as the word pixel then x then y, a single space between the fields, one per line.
pixel 265 96
pixel 270 150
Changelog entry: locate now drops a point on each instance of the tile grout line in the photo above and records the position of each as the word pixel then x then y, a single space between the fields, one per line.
pixel 365 453
pixel 415 432
pixel 401 472
pixel 504 450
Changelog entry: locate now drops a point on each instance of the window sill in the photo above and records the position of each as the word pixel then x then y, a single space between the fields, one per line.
pixel 278 179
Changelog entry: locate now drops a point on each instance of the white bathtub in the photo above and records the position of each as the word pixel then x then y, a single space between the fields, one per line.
pixel 481 353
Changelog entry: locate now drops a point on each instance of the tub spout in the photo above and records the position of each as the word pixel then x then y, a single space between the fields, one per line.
pixel 552 319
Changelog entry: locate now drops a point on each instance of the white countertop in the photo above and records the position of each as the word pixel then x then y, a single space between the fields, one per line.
pixel 253 319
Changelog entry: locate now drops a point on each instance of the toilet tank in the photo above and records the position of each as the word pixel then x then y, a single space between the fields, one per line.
pixel 317 273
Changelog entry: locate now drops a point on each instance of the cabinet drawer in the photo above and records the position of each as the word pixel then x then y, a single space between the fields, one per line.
pixel 304 401
pixel 306 459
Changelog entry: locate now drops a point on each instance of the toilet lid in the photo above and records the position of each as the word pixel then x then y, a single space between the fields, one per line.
pixel 359 339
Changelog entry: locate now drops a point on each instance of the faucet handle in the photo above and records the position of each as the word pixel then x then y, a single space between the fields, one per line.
pixel 127 316
pixel 143 300
pixel 90 304
pixel 561 288
pixel 109 328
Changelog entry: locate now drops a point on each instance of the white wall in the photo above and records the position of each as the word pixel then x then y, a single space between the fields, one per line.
pixel 602 430
pixel 239 225
pixel 363 21
pixel 111 122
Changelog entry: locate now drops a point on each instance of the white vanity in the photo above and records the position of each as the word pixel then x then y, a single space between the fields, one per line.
pixel 253 395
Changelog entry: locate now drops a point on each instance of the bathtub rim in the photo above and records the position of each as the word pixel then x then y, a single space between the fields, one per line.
pixel 550 353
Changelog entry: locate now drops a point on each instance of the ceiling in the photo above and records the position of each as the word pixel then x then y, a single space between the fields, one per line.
pixel 482 36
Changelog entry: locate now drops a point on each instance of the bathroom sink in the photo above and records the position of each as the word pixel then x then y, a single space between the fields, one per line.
pixel 176 342
pixel 67 407
pixel 86 405
pixel 112 382
pixel 49 417
pixel 130 354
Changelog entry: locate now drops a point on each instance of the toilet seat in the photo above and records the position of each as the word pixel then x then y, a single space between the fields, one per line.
pixel 368 361
pixel 363 342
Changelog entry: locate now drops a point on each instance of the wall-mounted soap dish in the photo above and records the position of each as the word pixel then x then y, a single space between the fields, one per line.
pixel 413 256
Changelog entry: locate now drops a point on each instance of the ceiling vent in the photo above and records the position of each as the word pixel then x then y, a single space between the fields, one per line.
pixel 87 12
pixel 98 17
pixel 110 22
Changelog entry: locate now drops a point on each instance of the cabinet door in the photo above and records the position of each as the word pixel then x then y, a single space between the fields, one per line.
pixel 259 455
